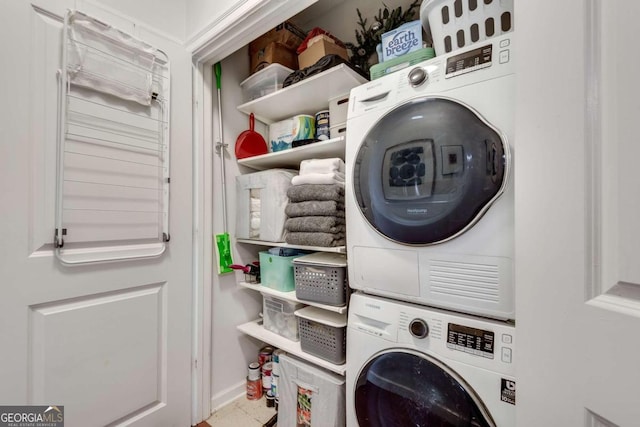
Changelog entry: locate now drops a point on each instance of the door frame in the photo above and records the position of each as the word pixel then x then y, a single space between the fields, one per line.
pixel 224 35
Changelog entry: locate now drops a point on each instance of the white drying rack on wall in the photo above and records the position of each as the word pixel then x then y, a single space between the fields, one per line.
pixel 112 189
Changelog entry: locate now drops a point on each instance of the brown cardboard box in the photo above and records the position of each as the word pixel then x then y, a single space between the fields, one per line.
pixel 274 53
pixel 318 47
pixel 286 33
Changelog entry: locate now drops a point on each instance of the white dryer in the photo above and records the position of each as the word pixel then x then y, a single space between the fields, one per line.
pixel 410 365
pixel 429 195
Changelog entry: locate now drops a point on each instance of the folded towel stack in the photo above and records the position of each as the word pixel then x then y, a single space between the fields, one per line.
pixel 320 171
pixel 254 228
pixel 316 204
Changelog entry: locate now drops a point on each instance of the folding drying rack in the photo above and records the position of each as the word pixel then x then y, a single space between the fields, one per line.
pixel 112 189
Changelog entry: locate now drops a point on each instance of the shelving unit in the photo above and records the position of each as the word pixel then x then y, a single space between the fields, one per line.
pixel 290 296
pixel 291 158
pixel 302 97
pixel 256 330
pixel 305 97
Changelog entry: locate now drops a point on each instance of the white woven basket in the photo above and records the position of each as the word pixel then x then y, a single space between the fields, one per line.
pixel 453 24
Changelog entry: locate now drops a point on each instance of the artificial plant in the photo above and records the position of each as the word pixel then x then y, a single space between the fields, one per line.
pixel 369 36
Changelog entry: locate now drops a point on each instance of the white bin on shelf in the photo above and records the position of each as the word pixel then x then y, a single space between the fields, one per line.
pixel 309 396
pixel 260 201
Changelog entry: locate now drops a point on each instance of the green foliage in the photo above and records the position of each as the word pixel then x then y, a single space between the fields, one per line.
pixel 368 36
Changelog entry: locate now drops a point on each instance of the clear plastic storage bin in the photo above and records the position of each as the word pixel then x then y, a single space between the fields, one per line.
pixel 279 317
pixel 264 82
pixel 322 278
pixel 323 334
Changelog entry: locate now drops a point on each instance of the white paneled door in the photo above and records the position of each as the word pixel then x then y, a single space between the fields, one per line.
pixel 111 342
pixel 578 213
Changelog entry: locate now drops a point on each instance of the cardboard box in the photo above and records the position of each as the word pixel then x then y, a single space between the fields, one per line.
pixel 318 47
pixel 286 34
pixel 273 53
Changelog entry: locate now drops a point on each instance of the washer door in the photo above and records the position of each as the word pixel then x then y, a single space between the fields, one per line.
pixel 402 388
pixel 428 170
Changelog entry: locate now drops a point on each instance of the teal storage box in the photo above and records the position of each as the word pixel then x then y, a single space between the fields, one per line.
pixel 276 272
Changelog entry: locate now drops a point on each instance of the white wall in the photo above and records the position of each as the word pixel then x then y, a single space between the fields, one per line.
pixel 231 305
pixel 165 16
pixel 340 17
pixel 202 13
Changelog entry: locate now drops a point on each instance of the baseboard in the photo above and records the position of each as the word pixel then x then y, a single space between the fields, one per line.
pixel 227 396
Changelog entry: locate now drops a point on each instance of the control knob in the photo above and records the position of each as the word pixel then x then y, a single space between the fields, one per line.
pixel 419 328
pixel 417 76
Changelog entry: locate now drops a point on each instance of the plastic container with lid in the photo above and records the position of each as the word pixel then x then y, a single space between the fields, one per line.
pixel 264 82
pixel 323 333
pixel 279 317
pixel 321 277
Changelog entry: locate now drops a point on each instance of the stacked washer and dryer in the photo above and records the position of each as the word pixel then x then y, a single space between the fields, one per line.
pixel 430 238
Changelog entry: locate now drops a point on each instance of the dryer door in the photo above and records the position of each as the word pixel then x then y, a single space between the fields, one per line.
pixel 402 388
pixel 428 170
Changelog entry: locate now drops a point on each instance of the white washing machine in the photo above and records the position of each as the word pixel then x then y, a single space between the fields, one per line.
pixel 410 365
pixel 429 194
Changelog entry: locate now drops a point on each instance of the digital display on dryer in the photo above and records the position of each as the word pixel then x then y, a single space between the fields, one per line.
pixel 469 61
pixel 470 340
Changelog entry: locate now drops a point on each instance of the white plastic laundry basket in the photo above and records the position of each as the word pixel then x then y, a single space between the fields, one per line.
pixel 453 24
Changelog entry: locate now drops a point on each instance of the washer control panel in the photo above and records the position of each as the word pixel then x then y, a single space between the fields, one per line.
pixel 417 76
pixel 471 340
pixel 419 328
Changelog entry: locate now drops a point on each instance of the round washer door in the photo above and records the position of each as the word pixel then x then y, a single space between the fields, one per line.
pixel 428 170
pixel 402 388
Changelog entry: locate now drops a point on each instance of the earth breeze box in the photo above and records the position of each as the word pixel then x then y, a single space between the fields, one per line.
pixel 402 40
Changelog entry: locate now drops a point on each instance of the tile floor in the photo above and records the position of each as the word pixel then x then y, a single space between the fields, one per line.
pixel 242 413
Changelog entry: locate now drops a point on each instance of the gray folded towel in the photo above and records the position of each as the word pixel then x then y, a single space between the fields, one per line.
pixel 304 192
pixel 315 208
pixel 315 239
pixel 325 224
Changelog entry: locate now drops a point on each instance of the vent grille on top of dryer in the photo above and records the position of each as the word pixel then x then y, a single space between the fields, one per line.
pixel 469 280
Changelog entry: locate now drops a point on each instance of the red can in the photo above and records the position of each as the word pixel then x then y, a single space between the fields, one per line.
pixel 265 355
pixel 254 389
pixel 266 376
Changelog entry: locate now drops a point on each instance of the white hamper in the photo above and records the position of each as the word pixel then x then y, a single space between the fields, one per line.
pixel 260 201
pixel 305 390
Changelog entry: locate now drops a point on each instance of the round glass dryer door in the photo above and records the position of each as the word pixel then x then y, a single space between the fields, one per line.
pixel 428 170
pixel 399 389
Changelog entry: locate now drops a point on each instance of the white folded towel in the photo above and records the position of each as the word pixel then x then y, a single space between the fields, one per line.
pixel 255 205
pixel 319 178
pixel 255 223
pixel 321 166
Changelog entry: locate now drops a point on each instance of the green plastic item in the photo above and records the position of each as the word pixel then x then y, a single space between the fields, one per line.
pixel 223 246
pixel 387 67
pixel 223 242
